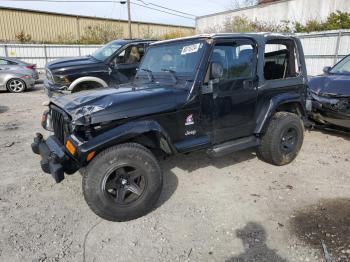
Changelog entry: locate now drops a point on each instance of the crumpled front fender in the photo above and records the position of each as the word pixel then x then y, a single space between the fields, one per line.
pixel 126 132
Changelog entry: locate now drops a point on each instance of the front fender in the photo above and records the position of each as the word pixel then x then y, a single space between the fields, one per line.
pixel 269 108
pixel 126 132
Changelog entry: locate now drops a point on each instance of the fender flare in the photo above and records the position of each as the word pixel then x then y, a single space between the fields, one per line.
pixel 86 79
pixel 269 108
pixel 125 132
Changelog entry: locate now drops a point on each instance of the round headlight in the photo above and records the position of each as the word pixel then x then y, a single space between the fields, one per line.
pixel 46 121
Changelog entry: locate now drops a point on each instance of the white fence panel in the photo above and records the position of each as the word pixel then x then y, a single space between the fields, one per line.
pixel 42 54
pixel 317 46
pixel 2 51
pixel 344 46
pixel 25 51
pixel 88 50
pixel 315 65
pixel 62 51
pixel 321 49
pixel 324 49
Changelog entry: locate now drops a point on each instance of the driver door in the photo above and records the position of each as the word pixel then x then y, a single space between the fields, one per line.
pixel 234 93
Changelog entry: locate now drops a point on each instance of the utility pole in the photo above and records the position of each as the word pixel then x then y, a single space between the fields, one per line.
pixel 129 20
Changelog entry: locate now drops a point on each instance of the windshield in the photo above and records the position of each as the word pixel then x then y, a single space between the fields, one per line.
pixel 106 51
pixel 177 58
pixel 343 67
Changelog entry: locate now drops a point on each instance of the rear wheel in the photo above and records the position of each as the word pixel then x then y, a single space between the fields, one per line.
pixel 283 139
pixel 123 182
pixel 16 85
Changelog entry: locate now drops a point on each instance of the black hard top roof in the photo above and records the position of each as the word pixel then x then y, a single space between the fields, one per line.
pixel 259 37
pixel 127 41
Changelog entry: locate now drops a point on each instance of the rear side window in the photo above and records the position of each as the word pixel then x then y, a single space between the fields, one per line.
pixel 281 59
pixel 237 59
pixel 4 62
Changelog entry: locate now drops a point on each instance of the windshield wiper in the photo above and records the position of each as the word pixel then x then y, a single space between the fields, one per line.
pixel 149 74
pixel 172 72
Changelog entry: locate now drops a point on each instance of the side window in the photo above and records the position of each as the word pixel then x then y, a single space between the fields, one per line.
pixel 131 55
pixel 237 60
pixel 3 62
pixel 281 60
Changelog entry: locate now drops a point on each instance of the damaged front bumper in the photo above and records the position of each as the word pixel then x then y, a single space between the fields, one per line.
pixel 330 110
pixel 53 90
pixel 54 159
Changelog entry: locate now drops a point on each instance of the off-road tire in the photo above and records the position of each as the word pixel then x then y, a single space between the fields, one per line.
pixel 97 170
pixel 270 148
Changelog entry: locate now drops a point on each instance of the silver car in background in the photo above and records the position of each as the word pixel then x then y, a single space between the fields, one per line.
pixel 9 63
pixel 16 80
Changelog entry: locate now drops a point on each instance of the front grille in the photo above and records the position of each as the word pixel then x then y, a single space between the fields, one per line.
pixel 343 105
pixel 59 123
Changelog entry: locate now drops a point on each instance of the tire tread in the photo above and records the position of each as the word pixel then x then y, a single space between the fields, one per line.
pixel 91 180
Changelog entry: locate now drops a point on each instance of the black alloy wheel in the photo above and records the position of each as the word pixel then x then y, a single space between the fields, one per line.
pixel 124 184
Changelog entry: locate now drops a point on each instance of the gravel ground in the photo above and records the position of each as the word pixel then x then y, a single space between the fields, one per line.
pixel 235 208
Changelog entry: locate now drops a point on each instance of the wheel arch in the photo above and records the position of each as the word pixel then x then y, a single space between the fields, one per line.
pixel 83 79
pixel 292 103
pixel 147 133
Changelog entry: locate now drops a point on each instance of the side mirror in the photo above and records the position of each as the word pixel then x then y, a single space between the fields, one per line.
pixel 326 69
pixel 217 70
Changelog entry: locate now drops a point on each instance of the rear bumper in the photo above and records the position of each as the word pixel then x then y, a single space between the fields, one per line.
pixel 30 82
pixel 54 159
pixel 36 75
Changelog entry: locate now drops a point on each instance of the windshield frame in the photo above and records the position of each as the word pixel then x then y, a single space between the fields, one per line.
pixel 121 45
pixel 180 75
pixel 338 64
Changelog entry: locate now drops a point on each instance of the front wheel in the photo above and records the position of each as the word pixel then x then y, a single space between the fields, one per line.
pixel 283 139
pixel 122 182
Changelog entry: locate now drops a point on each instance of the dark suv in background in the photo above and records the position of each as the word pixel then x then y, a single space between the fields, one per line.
pixel 113 64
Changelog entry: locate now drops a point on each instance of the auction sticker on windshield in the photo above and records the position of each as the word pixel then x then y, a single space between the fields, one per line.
pixel 190 49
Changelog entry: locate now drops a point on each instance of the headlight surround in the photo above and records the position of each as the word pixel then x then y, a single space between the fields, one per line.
pixel 63 80
pixel 46 121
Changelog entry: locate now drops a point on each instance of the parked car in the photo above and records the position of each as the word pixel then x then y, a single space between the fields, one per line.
pixel 9 63
pixel 220 93
pixel 16 81
pixel 329 95
pixel 113 64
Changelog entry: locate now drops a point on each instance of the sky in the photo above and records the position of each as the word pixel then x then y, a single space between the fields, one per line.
pixel 119 11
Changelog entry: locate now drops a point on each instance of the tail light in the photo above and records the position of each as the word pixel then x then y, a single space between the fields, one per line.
pixel 32 67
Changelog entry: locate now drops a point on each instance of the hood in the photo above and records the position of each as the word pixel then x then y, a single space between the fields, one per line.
pixel 331 85
pixel 110 104
pixel 74 62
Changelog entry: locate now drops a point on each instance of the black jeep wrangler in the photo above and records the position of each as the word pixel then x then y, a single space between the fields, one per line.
pixel 112 64
pixel 220 93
